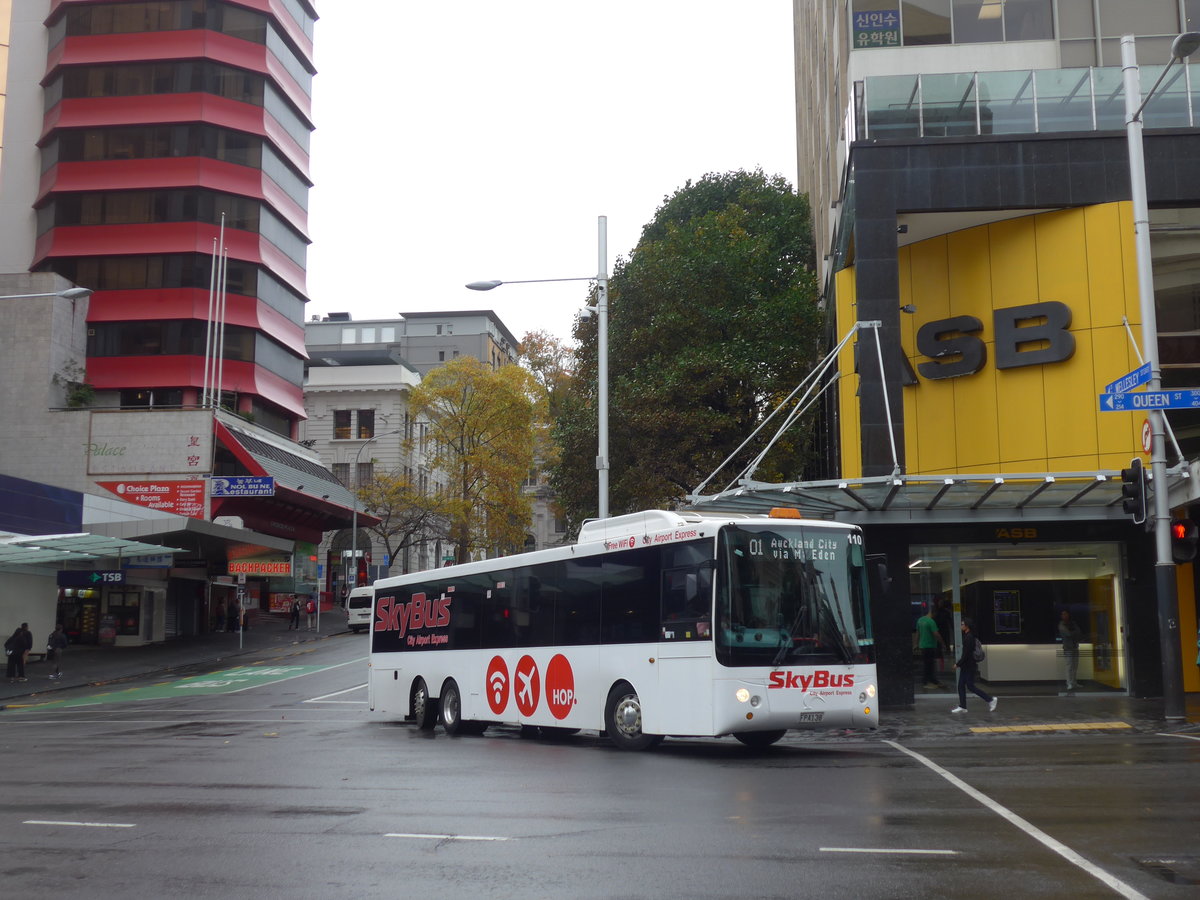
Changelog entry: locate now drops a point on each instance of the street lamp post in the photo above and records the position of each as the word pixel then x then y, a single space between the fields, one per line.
pixel 601 311
pixel 1164 568
pixel 75 293
pixel 353 579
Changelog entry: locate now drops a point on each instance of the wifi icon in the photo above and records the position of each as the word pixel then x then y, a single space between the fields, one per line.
pixel 497 684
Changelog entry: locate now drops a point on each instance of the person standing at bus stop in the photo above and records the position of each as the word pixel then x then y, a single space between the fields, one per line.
pixel 310 608
pixel 968 669
pixel 929 642
pixel 1070 634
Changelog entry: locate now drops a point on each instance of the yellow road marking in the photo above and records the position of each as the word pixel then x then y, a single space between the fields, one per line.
pixel 1054 726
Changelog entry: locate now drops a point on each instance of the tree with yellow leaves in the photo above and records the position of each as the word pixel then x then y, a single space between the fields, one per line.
pixel 482 425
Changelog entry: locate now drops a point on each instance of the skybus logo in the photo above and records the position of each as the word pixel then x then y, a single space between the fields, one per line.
pixel 418 613
pixel 819 679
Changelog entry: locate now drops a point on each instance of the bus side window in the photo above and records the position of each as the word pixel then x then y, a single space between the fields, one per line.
pixel 630 600
pixel 497 629
pixel 686 597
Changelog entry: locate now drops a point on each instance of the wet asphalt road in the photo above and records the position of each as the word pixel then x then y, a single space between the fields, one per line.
pixel 285 789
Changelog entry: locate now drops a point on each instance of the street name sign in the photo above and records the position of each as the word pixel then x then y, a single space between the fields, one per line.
pixel 1188 398
pixel 1128 382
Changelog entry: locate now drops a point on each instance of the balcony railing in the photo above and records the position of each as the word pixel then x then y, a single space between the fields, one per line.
pixel 1030 101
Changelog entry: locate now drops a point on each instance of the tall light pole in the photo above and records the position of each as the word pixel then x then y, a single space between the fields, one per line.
pixel 601 311
pixel 353 579
pixel 1164 567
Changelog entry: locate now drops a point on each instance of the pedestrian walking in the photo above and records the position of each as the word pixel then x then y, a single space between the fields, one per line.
pixel 968 668
pixel 1071 634
pixel 930 643
pixel 55 645
pixel 294 618
pixel 310 609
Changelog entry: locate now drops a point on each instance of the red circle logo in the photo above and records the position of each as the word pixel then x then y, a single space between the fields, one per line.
pixel 497 685
pixel 528 685
pixel 560 687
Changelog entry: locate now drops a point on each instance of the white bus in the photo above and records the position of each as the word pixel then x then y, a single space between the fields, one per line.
pixel 653 624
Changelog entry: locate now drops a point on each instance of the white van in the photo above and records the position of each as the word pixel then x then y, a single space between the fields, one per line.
pixel 358 608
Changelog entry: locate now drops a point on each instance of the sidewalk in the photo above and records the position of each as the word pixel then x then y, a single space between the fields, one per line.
pixel 84 665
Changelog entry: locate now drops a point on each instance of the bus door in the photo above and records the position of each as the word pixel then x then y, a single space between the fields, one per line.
pixel 685 652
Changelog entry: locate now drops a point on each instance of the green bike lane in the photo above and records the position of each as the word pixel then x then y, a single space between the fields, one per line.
pixel 225 681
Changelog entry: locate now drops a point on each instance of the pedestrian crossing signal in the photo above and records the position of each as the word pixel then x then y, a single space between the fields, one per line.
pixel 1184 538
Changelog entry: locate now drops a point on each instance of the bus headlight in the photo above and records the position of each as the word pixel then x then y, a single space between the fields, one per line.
pixel 742 695
pixel 868 693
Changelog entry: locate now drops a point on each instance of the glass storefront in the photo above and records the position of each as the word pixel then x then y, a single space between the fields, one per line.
pixel 1016 595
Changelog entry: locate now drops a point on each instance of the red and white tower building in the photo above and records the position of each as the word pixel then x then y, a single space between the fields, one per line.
pixel 132 132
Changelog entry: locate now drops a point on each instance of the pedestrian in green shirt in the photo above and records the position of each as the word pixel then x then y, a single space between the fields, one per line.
pixel 930 643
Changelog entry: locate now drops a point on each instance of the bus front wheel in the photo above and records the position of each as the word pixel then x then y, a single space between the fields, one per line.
pixel 759 739
pixel 623 720
pixel 425 710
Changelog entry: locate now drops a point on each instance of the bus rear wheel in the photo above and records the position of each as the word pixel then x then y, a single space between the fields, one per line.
pixel 623 720
pixel 425 710
pixel 759 739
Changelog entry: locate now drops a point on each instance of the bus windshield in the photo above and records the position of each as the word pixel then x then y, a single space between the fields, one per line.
pixel 791 595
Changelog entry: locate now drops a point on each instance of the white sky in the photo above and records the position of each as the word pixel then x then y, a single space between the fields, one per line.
pixel 463 140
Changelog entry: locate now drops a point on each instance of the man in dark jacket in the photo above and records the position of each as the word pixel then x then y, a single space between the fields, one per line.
pixel 968 668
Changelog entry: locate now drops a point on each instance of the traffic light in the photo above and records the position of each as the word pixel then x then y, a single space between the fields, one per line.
pixel 1133 491
pixel 1184 537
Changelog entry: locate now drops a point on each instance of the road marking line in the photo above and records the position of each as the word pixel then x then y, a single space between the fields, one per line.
pixel 1053 726
pixel 357 687
pixel 885 850
pixel 1186 737
pixel 446 837
pixel 1030 829
pixel 79 824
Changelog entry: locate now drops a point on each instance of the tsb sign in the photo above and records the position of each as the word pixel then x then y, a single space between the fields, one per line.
pixel 1016 328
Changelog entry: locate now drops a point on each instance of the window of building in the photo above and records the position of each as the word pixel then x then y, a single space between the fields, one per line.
pixel 925 22
pixel 387 335
pixel 978 21
pixel 365 474
pixel 1191 15
pixel 1119 17
pixel 441 356
pixel 367 335
pixel 341 471
pixel 349 335
pixel 163 397
pixel 366 424
pixel 342 425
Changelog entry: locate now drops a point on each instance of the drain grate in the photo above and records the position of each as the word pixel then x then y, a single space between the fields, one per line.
pixel 1175 869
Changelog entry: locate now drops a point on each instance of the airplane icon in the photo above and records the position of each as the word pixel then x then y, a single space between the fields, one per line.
pixel 525 686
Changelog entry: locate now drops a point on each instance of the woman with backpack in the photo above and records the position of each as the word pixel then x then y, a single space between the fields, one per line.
pixel 968 668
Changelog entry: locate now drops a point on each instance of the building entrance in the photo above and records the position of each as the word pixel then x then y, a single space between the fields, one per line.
pixel 1017 595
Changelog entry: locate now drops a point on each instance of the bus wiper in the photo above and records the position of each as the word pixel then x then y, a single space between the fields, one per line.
pixel 801 612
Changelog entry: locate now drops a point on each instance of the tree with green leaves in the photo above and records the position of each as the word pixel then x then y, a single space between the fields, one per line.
pixel 713 321
pixel 482 424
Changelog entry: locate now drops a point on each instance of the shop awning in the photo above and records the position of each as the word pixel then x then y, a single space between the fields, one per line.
pixel 306 493
pixel 28 550
pixel 934 498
